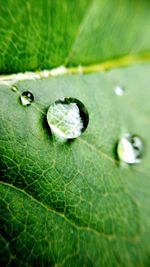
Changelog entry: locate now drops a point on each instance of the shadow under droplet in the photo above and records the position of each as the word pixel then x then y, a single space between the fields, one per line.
pixel 115 153
pixel 45 123
pixel 69 141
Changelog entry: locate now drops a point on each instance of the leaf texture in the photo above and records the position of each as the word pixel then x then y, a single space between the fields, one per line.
pixel 42 35
pixel 74 204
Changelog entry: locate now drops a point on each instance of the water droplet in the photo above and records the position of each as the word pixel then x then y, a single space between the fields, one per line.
pixel 68 118
pixel 119 90
pixel 14 88
pixel 130 149
pixel 26 98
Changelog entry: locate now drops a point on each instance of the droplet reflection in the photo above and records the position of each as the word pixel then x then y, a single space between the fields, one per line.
pixel 26 98
pixel 130 149
pixel 68 118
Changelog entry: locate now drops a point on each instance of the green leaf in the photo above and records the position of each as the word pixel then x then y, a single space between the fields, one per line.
pixel 74 204
pixel 42 35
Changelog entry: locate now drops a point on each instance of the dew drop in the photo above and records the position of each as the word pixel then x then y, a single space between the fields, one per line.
pixel 68 118
pixel 130 149
pixel 14 88
pixel 26 98
pixel 119 91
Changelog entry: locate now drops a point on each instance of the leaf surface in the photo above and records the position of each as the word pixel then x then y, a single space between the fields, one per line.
pixel 74 204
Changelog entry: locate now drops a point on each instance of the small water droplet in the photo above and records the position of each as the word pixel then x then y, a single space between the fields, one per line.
pixel 13 88
pixel 68 118
pixel 130 149
pixel 26 98
pixel 119 90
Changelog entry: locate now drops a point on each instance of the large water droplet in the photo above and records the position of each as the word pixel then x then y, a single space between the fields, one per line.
pixel 130 149
pixel 26 98
pixel 68 118
pixel 119 90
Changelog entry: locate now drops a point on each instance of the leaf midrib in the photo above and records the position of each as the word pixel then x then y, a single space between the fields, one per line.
pixel 127 60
